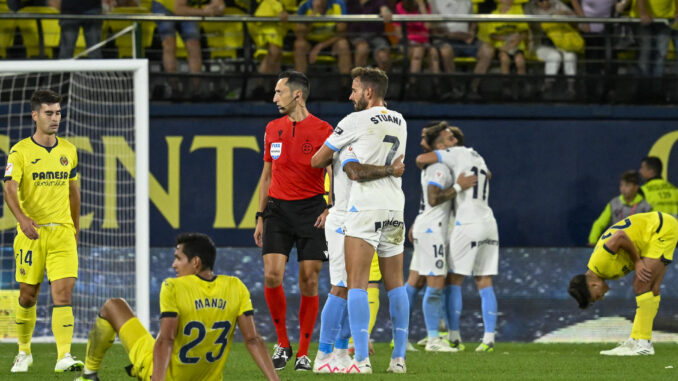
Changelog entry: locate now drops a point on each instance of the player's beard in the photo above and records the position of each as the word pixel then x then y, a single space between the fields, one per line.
pixel 360 104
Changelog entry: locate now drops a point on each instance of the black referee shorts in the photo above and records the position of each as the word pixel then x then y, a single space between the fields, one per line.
pixel 288 223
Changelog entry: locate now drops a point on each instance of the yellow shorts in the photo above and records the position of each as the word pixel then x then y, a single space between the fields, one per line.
pixel 138 344
pixel 55 250
pixel 663 243
pixel 375 273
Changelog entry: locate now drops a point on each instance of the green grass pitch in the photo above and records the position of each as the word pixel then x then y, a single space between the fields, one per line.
pixel 510 361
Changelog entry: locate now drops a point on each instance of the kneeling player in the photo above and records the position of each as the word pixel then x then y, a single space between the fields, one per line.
pixel 644 242
pixel 198 311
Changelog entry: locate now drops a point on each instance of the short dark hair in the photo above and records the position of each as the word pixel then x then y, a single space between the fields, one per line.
pixel 631 177
pixel 297 80
pixel 200 245
pixel 654 163
pixel 431 132
pixel 44 96
pixel 579 290
pixel 374 78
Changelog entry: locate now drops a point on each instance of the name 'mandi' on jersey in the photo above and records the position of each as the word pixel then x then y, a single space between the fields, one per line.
pixel 210 303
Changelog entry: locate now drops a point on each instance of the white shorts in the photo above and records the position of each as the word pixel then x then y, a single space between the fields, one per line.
pixel 334 234
pixel 414 261
pixel 383 229
pixel 430 258
pixel 474 249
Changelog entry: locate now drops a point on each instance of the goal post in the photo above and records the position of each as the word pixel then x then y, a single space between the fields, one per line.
pixel 107 115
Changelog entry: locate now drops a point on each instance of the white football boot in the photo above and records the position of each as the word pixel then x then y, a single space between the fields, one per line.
pixel 397 365
pixel 438 344
pixel 21 362
pixel 68 364
pixel 631 347
pixel 360 367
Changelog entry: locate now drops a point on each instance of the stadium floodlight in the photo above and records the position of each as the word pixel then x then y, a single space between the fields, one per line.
pixel 105 115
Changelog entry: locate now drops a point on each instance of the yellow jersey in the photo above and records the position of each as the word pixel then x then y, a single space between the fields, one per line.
pixel 653 234
pixel 207 311
pixel 44 175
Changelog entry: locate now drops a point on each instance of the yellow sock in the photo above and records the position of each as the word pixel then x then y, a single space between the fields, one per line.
pixel 373 299
pixel 62 328
pixel 25 323
pixel 101 337
pixel 648 304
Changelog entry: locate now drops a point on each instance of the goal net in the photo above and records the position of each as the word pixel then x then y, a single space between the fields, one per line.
pixel 105 115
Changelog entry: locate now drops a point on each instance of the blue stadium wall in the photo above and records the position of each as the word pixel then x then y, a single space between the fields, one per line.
pixel 554 168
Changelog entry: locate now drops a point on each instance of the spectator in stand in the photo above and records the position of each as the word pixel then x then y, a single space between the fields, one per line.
pixel 190 33
pixel 653 37
pixel 595 37
pixel 629 202
pixel 661 194
pixel 71 28
pixel 270 36
pixel 15 5
pixel 454 39
pixel 314 38
pixel 369 36
pixel 508 38
pixel 418 43
pixel 555 43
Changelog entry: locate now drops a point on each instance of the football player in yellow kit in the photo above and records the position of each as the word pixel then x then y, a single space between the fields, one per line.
pixel 41 189
pixel 643 242
pixel 198 312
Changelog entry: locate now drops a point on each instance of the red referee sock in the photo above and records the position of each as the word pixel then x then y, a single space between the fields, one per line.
pixel 308 312
pixel 277 304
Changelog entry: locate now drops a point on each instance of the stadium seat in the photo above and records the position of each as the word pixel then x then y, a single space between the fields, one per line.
pixel 124 42
pixel 29 31
pixel 7 29
pixel 224 38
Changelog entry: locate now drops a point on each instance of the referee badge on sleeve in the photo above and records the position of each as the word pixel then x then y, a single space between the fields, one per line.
pixel 276 149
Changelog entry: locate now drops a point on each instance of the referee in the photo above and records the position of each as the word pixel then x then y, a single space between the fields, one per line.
pixel 292 211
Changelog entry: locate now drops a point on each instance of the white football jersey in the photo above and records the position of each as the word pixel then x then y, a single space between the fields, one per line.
pixel 434 217
pixel 378 137
pixel 341 184
pixel 471 204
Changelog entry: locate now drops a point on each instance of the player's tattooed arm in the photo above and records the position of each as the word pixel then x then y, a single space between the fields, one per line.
pixel 437 196
pixel 367 172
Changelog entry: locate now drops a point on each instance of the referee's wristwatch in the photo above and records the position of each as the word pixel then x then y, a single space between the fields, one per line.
pixel 256 218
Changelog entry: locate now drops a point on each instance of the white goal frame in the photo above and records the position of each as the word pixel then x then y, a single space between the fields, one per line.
pixel 139 67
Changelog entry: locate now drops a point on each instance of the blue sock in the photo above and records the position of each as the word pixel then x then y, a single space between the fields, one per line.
pixel 400 320
pixel 359 319
pixel 454 305
pixel 431 307
pixel 330 320
pixel 411 294
pixel 344 333
pixel 489 307
pixel 442 312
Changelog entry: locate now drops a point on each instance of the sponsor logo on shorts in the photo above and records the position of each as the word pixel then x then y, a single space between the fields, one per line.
pixel 484 242
pixel 439 263
pixel 383 224
pixel 22 272
pixel 276 150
